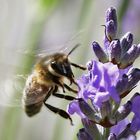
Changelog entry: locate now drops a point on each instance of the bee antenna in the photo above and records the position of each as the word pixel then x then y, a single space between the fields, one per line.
pixel 75 47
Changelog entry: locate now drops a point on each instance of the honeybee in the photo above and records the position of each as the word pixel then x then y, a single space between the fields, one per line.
pixel 47 77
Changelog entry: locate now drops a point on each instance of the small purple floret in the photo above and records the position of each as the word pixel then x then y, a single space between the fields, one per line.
pixel 98 86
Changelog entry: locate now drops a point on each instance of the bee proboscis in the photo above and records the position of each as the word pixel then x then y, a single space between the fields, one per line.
pixel 47 76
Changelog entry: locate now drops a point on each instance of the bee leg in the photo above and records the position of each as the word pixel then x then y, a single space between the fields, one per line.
pixel 61 112
pixel 73 81
pixel 58 83
pixel 49 93
pixel 69 98
pixel 78 66
pixel 70 89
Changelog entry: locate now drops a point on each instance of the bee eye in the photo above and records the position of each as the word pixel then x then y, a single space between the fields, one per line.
pixel 53 64
pixel 62 68
pixel 58 67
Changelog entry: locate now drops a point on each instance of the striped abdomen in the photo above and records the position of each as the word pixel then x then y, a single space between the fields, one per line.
pixel 33 96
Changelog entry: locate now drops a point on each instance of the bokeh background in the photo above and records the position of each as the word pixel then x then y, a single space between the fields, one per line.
pixel 31 27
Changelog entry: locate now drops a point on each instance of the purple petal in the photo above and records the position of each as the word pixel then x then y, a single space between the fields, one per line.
pixel 114 94
pixel 113 72
pixel 100 98
pixel 96 74
pixel 73 107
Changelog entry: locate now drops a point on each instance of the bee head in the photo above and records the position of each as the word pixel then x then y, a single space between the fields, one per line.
pixel 61 65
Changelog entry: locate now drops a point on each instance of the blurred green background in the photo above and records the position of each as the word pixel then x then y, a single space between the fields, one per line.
pixel 29 27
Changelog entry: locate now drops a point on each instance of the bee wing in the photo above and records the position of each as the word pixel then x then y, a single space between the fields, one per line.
pixel 75 40
pixel 35 54
pixel 11 89
pixel 64 48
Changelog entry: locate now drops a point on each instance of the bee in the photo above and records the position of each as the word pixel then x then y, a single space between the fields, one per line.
pixel 47 77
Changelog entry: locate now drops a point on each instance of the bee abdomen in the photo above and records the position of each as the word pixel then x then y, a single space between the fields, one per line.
pixel 33 109
pixel 33 96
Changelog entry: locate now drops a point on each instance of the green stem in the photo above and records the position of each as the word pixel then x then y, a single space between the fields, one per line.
pixel 106 133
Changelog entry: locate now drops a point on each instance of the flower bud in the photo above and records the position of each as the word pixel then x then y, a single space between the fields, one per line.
pixel 122 85
pixel 138 51
pixel 111 15
pixel 126 42
pixel 115 51
pixel 135 104
pixel 105 109
pixel 134 78
pixel 91 128
pixel 128 82
pixel 135 124
pixel 110 30
pixel 83 135
pixel 88 111
pixel 111 24
pixel 99 52
pixel 126 134
pixel 129 57
pixel 123 111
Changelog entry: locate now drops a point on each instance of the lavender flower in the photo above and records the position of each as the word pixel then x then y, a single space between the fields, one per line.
pixel 121 52
pixel 107 81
